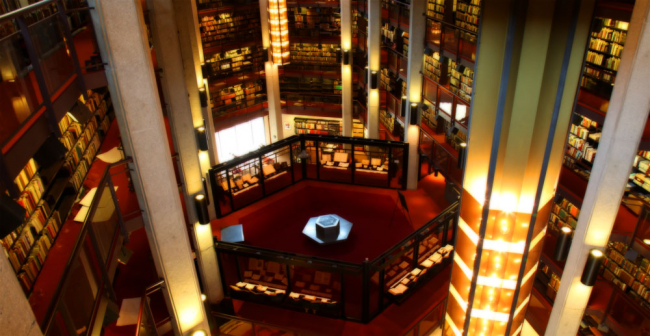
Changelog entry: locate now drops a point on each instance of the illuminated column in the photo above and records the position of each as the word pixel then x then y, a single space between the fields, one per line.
pixel 122 40
pixel 275 38
pixel 528 69
pixel 185 131
pixel 374 67
pixel 346 66
pixel 622 132
pixel 414 88
pixel 192 53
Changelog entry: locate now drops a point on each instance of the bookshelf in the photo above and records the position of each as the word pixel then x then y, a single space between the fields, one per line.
pixel 639 175
pixel 357 128
pixel 461 79
pixel 564 213
pixel 631 276
pixel 237 96
pixel 317 126
pixel 236 62
pixel 312 85
pixel 436 9
pixel 230 27
pixel 603 56
pixel 48 193
pixel 314 21
pixel 467 14
pixel 387 119
pixel 582 143
pixel 432 67
pixel 313 53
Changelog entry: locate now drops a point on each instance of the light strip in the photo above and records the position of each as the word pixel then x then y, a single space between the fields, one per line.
pixel 483 280
pixel 490 315
pixel 521 306
pixel 453 326
pixel 499 245
pixel 529 274
pixel 521 326
pixel 473 236
pixel 455 295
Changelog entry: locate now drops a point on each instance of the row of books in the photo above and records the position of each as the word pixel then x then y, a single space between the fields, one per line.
pixel 468 8
pixel 37 219
pixel 26 174
pixel 33 264
pixel 613 49
pixel 604 76
pixel 561 216
pixel 22 249
pixel 623 25
pixel 82 169
pixel 78 152
pixel 32 194
pixel 586 152
pixel 611 35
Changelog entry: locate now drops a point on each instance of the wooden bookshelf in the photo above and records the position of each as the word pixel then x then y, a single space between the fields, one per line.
pixel 436 9
pixel 312 85
pixel 631 276
pixel 313 53
pixel 314 21
pixel 229 27
pixel 49 192
pixel 582 143
pixel 317 126
pixel 467 14
pixel 461 80
pixel 238 96
pixel 236 62
pixel 357 128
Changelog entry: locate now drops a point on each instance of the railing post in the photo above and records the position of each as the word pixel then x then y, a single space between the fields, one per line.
pixel 125 233
pixel 40 78
pixel 63 19
pixel 365 292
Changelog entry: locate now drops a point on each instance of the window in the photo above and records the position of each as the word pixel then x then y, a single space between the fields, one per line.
pixel 240 139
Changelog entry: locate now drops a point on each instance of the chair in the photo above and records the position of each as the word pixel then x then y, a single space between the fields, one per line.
pixel 233 233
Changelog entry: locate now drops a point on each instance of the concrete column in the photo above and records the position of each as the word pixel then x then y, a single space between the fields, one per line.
pixel 374 64
pixel 168 52
pixel 193 58
pixel 414 87
pixel 622 133
pixel 192 54
pixel 346 70
pixel 123 44
pixel 272 79
pixel 16 315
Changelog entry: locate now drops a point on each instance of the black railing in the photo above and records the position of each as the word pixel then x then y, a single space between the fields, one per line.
pixel 336 289
pixel 254 176
pixel 96 243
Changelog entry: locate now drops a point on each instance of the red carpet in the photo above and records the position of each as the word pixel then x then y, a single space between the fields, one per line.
pixel 279 225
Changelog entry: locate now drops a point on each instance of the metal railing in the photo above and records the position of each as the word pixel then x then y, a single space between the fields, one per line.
pixel 86 279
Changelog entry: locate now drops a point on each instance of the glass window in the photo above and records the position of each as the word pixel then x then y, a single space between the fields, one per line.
pixel 240 139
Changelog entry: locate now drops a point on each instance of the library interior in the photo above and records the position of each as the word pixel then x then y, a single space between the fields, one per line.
pixel 324 167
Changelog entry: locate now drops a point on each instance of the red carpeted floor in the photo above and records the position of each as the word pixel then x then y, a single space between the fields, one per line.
pixel 276 222
pixel 377 222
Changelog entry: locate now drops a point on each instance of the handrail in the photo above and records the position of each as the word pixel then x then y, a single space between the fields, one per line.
pixel 78 246
pixel 417 232
pixel 253 323
pixel 284 255
pixel 25 10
